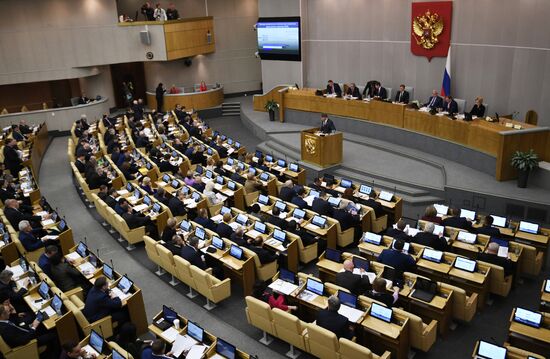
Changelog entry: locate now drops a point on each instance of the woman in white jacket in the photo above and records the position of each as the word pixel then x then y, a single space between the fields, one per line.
pixel 160 13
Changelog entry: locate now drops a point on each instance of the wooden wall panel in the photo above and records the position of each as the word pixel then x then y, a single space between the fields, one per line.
pixel 187 38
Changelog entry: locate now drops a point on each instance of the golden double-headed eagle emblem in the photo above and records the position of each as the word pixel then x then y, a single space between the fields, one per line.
pixel 311 145
pixel 426 28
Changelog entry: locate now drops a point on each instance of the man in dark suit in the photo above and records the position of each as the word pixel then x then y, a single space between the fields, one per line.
pixel 380 92
pixel 203 219
pixel 488 228
pixel 223 229
pixel 17 335
pixel 192 254
pixel 353 91
pixel 346 219
pixel 331 320
pixel 427 238
pixel 111 199
pixel 450 105
pixel 169 232
pixel 264 255
pixel 161 196
pixel 82 100
pixel 306 237
pixel 434 102
pixel 321 205
pixel 15 215
pixel 12 161
pixel 397 259
pixel 456 221
pixel 402 96
pixel 30 241
pixel 287 191
pixel 275 219
pixel 334 88
pixel 491 256
pixel 134 220
pixel 399 231
pixel 327 126
pixel 238 237
pixel 176 205
pixel 375 205
pixel 101 302
pixel 298 199
pixel 358 284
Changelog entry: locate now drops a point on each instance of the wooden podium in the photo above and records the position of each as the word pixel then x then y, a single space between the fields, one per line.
pixel 321 150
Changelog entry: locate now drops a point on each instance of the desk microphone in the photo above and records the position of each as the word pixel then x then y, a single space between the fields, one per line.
pixel 85 241
pixel 112 265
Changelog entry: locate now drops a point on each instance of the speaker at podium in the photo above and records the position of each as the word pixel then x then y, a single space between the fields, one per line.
pixel 320 148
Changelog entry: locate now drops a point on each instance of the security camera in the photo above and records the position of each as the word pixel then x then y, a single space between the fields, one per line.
pixel 255 27
pixel 257 54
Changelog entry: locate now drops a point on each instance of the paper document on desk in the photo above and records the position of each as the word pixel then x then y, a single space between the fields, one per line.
pixel 503 252
pixel 140 207
pixel 311 227
pixel 308 296
pixel 413 231
pixel 50 237
pixel 352 314
pixel 228 168
pixel 309 200
pixel 196 352
pixel 217 218
pixel 188 201
pixel 90 351
pixel 221 197
pixel 234 225
pixel 49 311
pixel 16 270
pixel 122 192
pixel 230 151
pixel 161 184
pixel 120 294
pixel 170 334
pixel 41 213
pixel 182 343
pixel 87 268
pixel 37 305
pixel 253 233
pixel 282 286
pixel 47 222
pixel 218 187
pixel 73 256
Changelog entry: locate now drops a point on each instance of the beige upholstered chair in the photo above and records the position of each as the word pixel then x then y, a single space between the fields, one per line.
pixel 499 283
pixel 422 336
pixel 344 238
pixel 352 350
pixel 464 306
pixel 27 351
pixel 153 254
pixel 290 329
pixel 258 314
pixel 263 271
pixel 167 263
pixel 103 325
pixel 321 342
pixel 183 272
pixel 214 289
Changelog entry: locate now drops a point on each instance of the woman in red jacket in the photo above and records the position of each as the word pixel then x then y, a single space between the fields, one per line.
pixel 277 300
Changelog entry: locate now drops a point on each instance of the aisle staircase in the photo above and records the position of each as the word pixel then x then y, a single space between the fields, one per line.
pixel 231 109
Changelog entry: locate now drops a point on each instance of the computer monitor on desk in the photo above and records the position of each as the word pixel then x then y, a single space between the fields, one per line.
pixel 487 350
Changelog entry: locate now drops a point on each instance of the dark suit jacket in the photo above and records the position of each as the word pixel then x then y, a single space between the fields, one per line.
pixel 29 241
pixel 287 193
pixel 353 282
pixel 206 223
pixel 192 256
pixel 438 103
pixel 450 107
pixel 176 207
pixel 65 276
pixel 224 230
pixel 15 216
pixel 458 222
pixel 337 89
pixel 321 206
pixel 299 201
pixel 489 231
pixel 279 222
pixel 376 206
pixel 99 305
pixel 346 219
pixel 12 160
pixel 382 93
pixel 430 240
pixel 81 167
pixel 335 322
pixel 175 249
pixel 134 220
pixel 167 235
pixel 327 127
pixel 404 97
pixel 264 255
pixel 505 263
pixel 240 241
pixel 478 111
pixel 385 298
pixel 397 234
pixel 400 261
pixel 15 335
pixel 354 93
pixel 110 201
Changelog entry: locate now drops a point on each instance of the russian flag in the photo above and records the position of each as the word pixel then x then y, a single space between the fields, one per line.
pixel 446 85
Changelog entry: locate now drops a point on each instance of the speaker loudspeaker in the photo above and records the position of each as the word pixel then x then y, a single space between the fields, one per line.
pixel 145 37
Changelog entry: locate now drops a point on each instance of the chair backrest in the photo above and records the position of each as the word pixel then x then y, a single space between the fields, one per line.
pixel 351 350
pixel 80 318
pixel 461 104
pixel 389 91
pixel 410 90
pixel 289 327
pixel 151 249
pixel 322 342
pixel 259 313
pixel 166 259
pixel 532 117
pixel 201 279
pixel 183 270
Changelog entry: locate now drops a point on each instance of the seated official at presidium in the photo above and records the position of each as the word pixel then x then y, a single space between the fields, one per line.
pixel 327 126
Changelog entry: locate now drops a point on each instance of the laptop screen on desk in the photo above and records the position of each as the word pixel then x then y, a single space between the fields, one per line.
pixel 547 286
pixel 217 242
pixel 471 215
pixel 231 185
pixel 432 255
pixel 219 180
pixel 499 221
pixel 347 299
pixel 195 331
pixel 372 238
pixel 364 189
pixel 528 227
pixel 225 210
pixel 279 235
pixel 334 201
pixel 287 276
pixel 294 167
pixel 319 221
pixel 405 247
pixel 175 183
pixel 527 317
pixel 263 199
pixel 93 260
pixel 242 219
pixel 196 196
pixel 260 227
pixel 252 170
pixel 490 351
pixel 208 174
pixel 117 355
pixel 81 249
pixel 441 209
pixel 43 290
pixel 313 193
pixel 359 262
pixel 200 233
pixel 280 205
pixel 156 208
pixel 264 176
pixel 281 163
pixel 166 178
pixel 438 230
pixel 381 312
pixel 225 349
pixel 333 255
pixel 465 264
pixel 137 194
pixel 147 200
pixel 107 271
pixel 466 237
pixel 346 183
pixel 298 213
pixel 185 226
pixel 236 251
pixel 96 341
pixel 124 284
pixel 169 314
pixel 57 303
pixel 386 196
pixel 315 286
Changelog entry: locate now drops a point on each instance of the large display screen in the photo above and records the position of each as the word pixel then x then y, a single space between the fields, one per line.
pixel 279 38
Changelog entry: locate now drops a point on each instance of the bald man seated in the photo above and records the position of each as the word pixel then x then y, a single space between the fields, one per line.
pixel 358 284
pixel 491 256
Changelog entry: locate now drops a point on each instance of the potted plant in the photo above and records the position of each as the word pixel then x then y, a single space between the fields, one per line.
pixel 270 107
pixel 524 162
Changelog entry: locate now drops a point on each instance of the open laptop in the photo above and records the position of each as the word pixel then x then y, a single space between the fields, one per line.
pixel 381 312
pixel 108 271
pixel 333 255
pixel 406 246
pixel 470 215
pixel 528 227
pixel 313 288
pixel 224 350
pixel 334 201
pixel 465 264
pixel 499 221
pixel 466 237
pixel 167 319
pixel 122 289
pixel 116 355
pixel 319 221
pixel 432 255
pixel 263 199
pixel 259 229
pixel 424 289
pixel 349 306
pixel 385 196
pixel 95 344
pixel 217 242
pixel 44 290
pixel 441 209
pixel 236 252
pixel 286 283
pixel 278 240
pixel 528 317
pixel 547 286
pixel 372 238
pixel 487 350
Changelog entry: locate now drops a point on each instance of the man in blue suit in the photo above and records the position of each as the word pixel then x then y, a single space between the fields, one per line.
pixel 29 240
pixel 395 258
pixel 450 105
pixel 298 199
pixel 190 252
pixel 101 303
pixel 434 101
pixel 333 321
pixel 44 259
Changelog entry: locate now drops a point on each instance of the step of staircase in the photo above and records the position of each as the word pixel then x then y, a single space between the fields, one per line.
pixel 231 109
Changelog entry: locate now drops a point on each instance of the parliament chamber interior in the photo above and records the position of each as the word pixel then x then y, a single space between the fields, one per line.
pixel 275 178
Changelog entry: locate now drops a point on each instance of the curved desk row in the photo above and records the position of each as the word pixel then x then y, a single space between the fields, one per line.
pixel 196 100
pixel 489 139
pixel 58 119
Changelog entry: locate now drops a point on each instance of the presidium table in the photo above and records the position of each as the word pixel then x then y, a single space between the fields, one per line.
pixel 497 139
